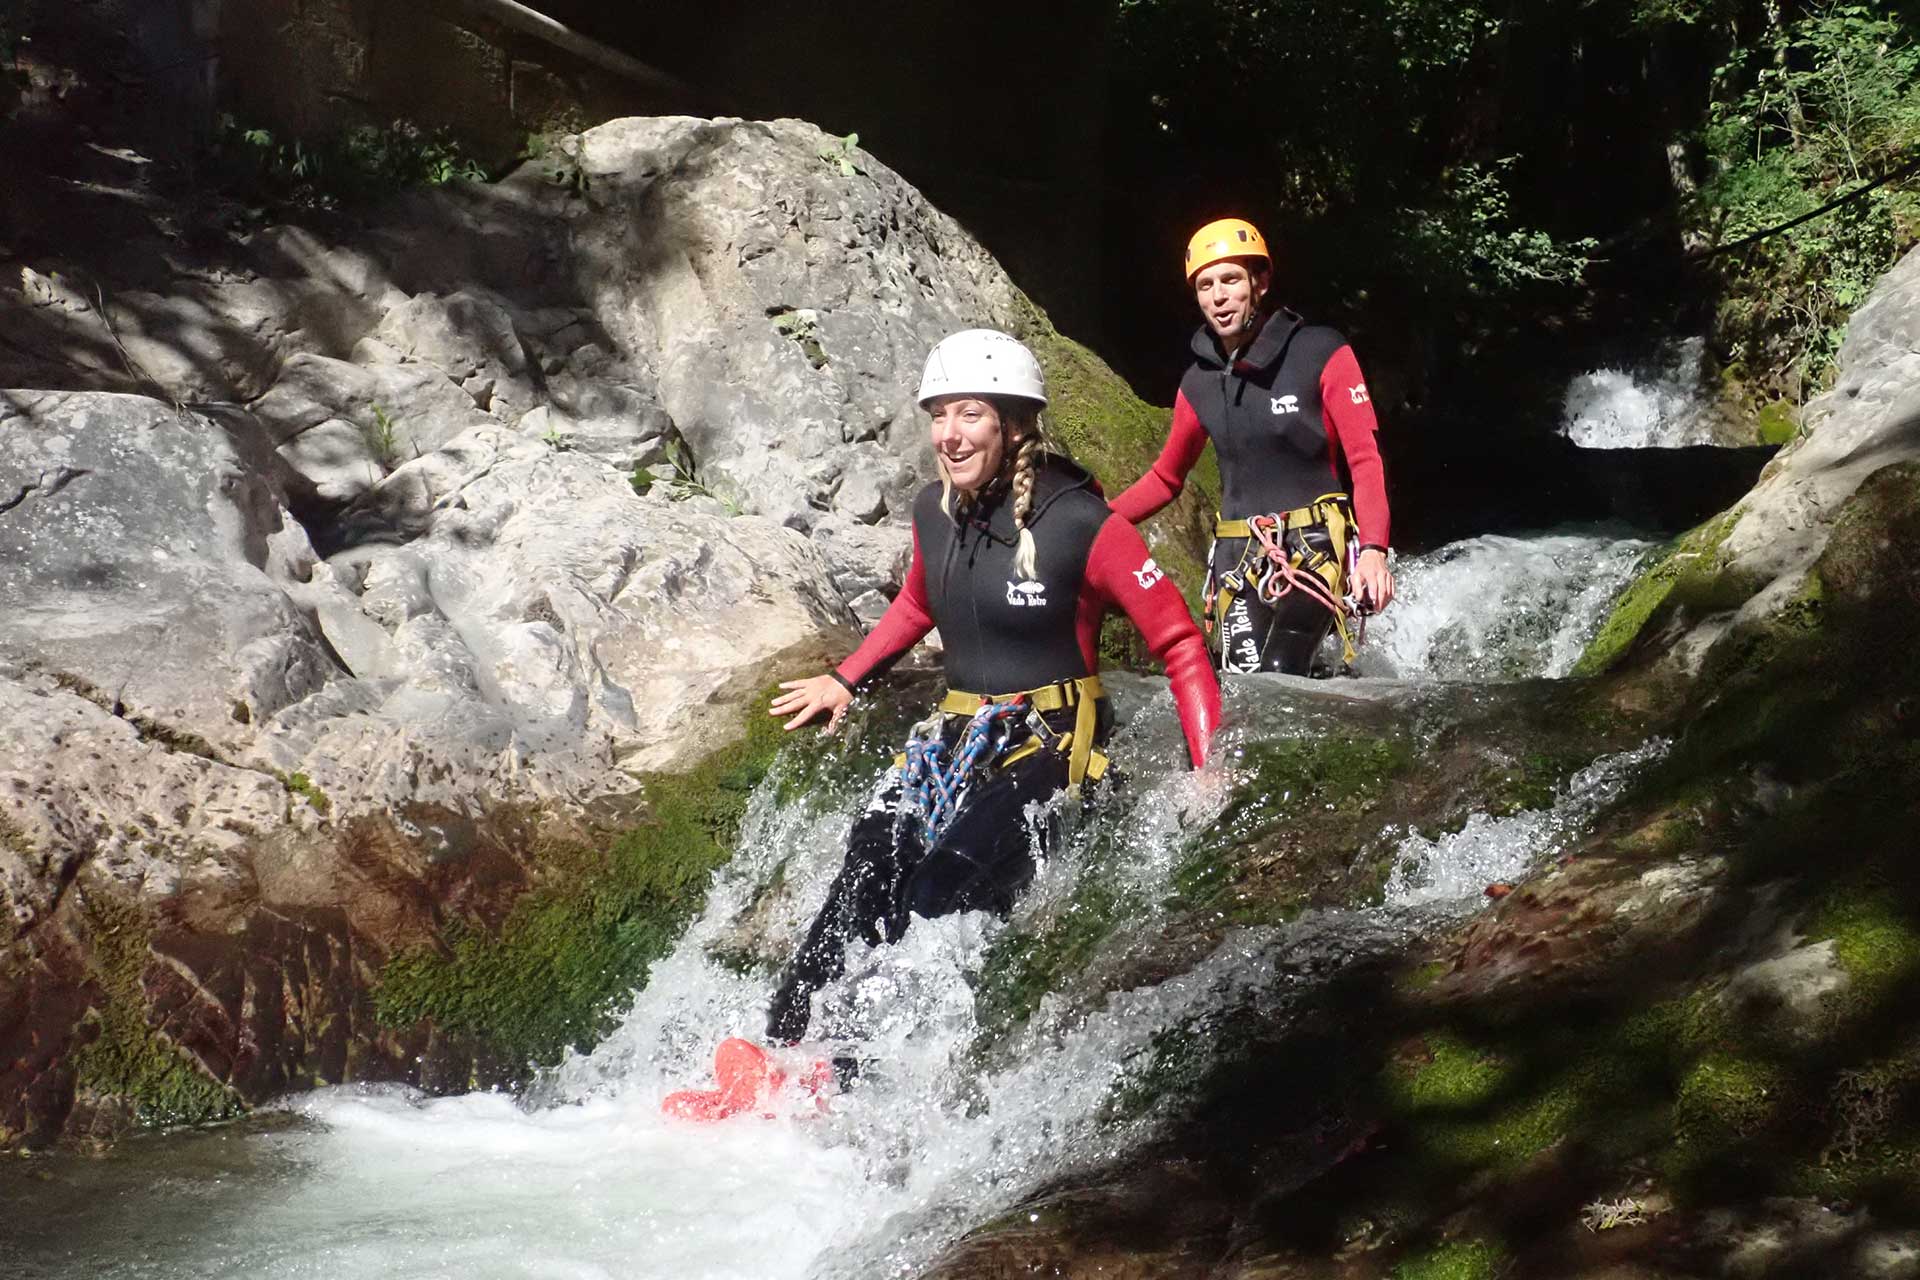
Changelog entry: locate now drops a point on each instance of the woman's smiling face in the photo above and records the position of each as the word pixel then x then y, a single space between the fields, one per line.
pixel 969 438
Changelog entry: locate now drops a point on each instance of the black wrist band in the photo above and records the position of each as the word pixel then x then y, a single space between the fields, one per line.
pixel 1373 546
pixel 841 680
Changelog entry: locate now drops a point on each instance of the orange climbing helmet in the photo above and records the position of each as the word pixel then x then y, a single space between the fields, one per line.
pixel 1225 238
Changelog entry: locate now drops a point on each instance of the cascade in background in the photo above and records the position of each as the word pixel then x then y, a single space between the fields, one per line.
pixel 1660 407
pixel 1501 607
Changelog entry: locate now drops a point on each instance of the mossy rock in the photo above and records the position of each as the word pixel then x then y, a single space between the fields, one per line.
pixel 1690 573
pixel 558 970
pixel 1778 423
pixel 1453 1260
pixel 128 1061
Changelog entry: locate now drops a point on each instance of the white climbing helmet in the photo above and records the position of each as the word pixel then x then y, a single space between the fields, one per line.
pixel 982 362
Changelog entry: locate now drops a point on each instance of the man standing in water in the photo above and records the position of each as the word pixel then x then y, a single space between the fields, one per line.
pixel 1289 415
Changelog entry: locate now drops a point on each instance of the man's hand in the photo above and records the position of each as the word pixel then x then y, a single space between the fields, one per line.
pixel 1373 581
pixel 806 699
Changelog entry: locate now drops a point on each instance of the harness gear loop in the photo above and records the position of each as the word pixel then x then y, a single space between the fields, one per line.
pixel 1271 568
pixel 1082 694
pixel 935 779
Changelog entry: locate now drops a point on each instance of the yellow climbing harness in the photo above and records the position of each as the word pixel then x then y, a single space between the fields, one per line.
pixel 1084 760
pixel 1271 569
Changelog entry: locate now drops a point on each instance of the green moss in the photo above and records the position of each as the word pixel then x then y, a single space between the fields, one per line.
pixel 1470 1109
pixel 1873 939
pixel 127 1059
pixel 1778 423
pixel 1689 573
pixel 557 970
pixel 1454 1260
pixel 1335 778
pixel 301 785
pixel 1418 979
pixel 1724 1100
pixel 1021 967
pixel 1532 782
pixel 1451 1075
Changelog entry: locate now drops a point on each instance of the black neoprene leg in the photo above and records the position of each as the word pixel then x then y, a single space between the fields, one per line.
pixel 981 862
pixel 863 903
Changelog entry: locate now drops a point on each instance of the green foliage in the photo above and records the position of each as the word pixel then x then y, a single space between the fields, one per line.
pixel 678 476
pixel 839 152
pixel 357 165
pixel 1350 124
pixel 1824 101
pixel 802 327
pixel 299 784
pixel 555 973
pixel 383 437
pixel 1466 241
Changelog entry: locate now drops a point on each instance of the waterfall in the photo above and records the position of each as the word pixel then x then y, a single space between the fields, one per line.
pixel 583 1176
pixel 1663 406
pixel 1501 607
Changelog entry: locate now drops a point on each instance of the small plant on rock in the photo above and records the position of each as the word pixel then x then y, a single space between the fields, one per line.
pixel 839 152
pixel 383 437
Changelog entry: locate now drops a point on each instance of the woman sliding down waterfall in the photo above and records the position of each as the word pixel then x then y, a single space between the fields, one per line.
pixel 1016 559
pixel 1287 409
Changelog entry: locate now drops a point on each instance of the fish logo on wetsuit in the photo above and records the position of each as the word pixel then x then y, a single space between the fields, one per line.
pixel 1148 574
pixel 1027 595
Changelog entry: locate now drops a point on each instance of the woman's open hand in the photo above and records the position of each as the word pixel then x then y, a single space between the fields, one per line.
pixel 807 698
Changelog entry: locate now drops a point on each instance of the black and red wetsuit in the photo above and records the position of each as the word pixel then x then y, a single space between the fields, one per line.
pixel 1001 633
pixel 1290 419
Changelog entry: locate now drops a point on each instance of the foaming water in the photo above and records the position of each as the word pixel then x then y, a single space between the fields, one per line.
pixel 1459 866
pixel 1499 606
pixel 1662 407
pixel 584 1178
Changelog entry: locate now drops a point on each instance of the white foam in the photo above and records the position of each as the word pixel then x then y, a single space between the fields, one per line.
pixel 1664 406
pixel 1499 606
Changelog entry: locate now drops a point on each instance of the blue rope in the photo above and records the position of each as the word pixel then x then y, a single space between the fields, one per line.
pixel 935 778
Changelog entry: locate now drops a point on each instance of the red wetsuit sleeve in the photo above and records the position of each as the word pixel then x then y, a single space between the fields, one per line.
pixel 1121 573
pixel 1349 414
pixel 1168 475
pixel 906 620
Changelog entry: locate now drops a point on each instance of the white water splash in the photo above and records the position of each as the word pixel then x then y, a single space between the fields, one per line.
pixel 1500 607
pixel 585 1179
pixel 1459 867
pixel 1663 407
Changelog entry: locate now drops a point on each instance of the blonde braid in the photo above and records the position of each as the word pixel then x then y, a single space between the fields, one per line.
pixel 1023 464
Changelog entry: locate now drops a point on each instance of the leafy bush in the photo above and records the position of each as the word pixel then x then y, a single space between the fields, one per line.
pixel 363 163
pixel 1824 103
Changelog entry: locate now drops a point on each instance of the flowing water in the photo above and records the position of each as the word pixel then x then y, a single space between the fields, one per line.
pixel 1500 607
pixel 583 1177
pixel 1663 406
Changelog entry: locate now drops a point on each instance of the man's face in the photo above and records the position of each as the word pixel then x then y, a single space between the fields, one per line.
pixel 1229 292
